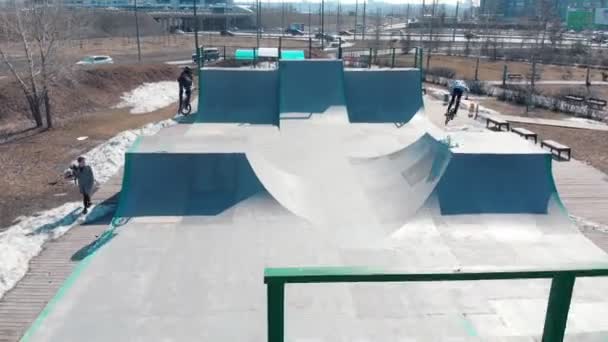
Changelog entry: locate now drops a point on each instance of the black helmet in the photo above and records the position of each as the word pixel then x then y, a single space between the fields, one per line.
pixel 187 69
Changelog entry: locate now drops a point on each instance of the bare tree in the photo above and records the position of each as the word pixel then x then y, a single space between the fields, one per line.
pixel 37 27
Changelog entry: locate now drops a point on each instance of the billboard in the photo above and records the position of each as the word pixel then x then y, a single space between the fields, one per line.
pixel 601 16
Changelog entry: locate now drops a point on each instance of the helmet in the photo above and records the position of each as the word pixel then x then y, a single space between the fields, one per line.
pixel 188 69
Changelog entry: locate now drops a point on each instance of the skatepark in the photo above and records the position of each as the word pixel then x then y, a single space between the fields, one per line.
pixel 316 169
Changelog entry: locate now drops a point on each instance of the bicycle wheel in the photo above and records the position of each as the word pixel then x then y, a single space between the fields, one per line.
pixel 186 109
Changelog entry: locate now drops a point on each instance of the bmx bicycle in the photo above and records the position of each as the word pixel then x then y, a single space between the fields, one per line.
pixel 449 115
pixel 186 107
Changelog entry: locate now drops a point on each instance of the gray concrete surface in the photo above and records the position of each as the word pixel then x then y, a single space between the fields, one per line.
pixel 334 194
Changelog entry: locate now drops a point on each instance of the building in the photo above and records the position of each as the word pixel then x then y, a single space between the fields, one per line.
pixel 153 4
pixel 511 10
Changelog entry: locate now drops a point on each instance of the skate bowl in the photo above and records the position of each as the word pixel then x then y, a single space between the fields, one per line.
pixel 213 205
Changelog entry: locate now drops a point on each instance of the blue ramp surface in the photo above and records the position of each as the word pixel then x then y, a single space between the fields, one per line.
pixel 238 96
pixel 182 184
pixel 496 183
pixel 377 96
pixel 311 87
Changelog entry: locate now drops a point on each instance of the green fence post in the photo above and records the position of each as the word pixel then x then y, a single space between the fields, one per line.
pixel 420 57
pixel 393 60
pixel 224 52
pixel 280 47
pixel 369 59
pixel 201 57
pixel 275 295
pixel 416 58
pixel 504 76
pixel 558 307
pixel 309 47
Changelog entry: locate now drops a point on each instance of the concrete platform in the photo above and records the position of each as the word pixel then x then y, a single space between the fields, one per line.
pixel 336 194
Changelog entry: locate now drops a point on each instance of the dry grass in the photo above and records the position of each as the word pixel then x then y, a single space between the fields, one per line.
pixel 32 167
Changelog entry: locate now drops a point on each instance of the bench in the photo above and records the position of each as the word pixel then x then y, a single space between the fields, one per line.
pixel 515 76
pixel 554 146
pixel 574 99
pixel 525 133
pixel 536 77
pixel 498 123
pixel 596 103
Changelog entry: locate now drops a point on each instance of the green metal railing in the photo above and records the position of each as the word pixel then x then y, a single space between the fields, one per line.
pixel 555 318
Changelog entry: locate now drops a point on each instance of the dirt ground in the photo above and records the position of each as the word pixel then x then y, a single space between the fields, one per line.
pixel 32 160
pixel 81 91
pixel 32 167
pixel 587 145
pixel 508 108
pixel 492 71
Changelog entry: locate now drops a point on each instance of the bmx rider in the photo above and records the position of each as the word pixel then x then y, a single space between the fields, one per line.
pixel 457 89
pixel 185 87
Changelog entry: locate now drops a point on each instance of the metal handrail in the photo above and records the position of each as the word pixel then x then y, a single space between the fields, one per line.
pixel 555 319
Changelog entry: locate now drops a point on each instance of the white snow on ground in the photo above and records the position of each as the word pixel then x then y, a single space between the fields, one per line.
pixel 24 240
pixel 21 242
pixel 582 223
pixel 107 158
pixel 149 97
pixel 587 121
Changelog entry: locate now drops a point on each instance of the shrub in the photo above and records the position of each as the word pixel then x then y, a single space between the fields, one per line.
pixel 442 72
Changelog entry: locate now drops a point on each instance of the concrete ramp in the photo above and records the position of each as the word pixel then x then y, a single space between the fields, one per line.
pixel 482 179
pixel 238 96
pixel 185 184
pixel 378 96
pixel 398 184
pixel 312 88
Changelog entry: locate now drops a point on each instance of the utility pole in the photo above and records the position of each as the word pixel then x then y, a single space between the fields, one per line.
pixel 322 24
pixel 356 16
pixel 282 17
pixel 364 7
pixel 338 18
pixel 137 32
pixel 455 22
pixel 197 48
pixel 309 19
pixel 258 22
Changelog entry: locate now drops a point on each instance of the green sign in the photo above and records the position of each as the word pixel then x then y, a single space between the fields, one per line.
pixel 579 20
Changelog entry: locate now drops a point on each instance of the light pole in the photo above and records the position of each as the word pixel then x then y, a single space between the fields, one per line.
pixel 137 32
pixel 364 6
pixel 356 16
pixel 196 46
pixel 455 22
pixel 322 24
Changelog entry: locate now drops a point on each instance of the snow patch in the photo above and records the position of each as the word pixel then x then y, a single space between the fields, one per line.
pixel 587 121
pixel 582 223
pixel 149 97
pixel 22 241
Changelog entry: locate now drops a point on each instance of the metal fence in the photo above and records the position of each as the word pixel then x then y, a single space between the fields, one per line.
pixel 556 316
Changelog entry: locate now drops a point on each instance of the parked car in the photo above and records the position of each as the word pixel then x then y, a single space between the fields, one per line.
pixel 345 33
pixel 226 33
pixel 294 32
pixel 325 36
pixel 90 60
pixel 208 54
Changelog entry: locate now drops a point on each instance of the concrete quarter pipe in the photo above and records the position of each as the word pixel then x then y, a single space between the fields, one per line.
pixel 343 172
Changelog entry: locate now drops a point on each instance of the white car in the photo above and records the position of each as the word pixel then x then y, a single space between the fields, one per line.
pixel 89 60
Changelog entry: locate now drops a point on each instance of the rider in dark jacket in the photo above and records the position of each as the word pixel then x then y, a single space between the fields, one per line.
pixel 185 85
